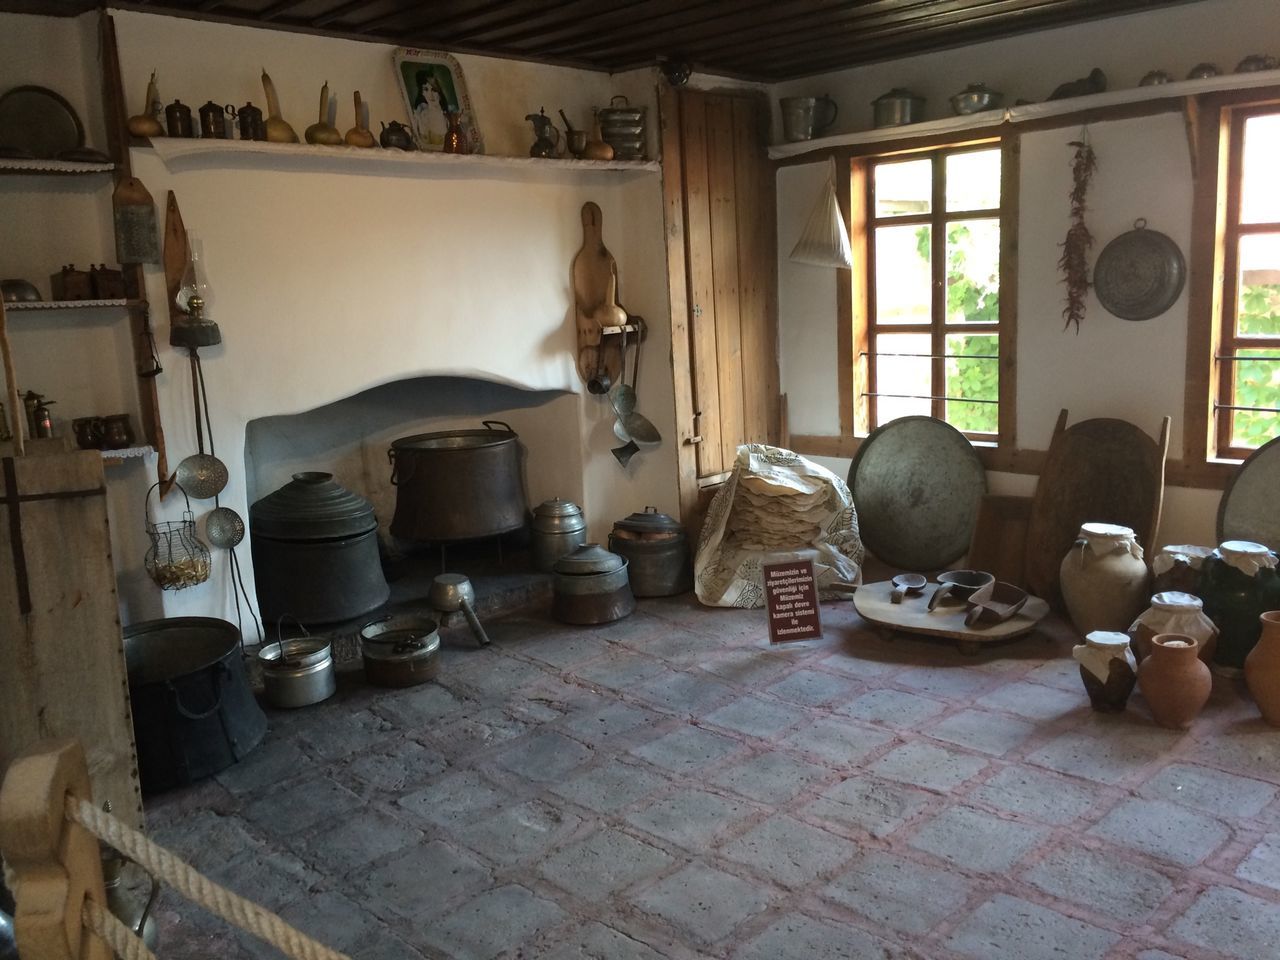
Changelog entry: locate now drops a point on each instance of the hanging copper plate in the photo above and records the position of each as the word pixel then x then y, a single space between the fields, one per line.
pixel 1139 274
pixel 917 483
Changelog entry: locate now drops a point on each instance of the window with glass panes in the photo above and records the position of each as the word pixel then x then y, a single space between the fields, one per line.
pixel 1248 349
pixel 933 298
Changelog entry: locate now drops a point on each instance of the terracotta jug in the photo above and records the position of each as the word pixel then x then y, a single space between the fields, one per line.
pixel 1174 612
pixel 1105 583
pixel 1262 668
pixel 1174 681
pixel 1107 668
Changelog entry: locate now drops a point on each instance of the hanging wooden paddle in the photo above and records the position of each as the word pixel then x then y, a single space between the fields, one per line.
pixel 11 384
pixel 137 230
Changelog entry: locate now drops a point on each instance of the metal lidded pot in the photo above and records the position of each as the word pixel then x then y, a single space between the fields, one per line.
pixel 591 586
pixel 400 650
pixel 897 107
pixel 558 528
pixel 657 553
pixel 297 672
pixel 315 552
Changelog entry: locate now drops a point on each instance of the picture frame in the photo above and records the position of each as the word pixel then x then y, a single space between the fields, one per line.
pixel 432 83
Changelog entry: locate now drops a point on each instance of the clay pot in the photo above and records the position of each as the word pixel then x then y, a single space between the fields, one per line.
pixel 1105 583
pixel 1177 568
pixel 1174 682
pixel 1107 668
pixel 1262 668
pixel 1174 612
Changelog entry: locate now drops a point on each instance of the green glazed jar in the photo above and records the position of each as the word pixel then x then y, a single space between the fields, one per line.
pixel 1238 584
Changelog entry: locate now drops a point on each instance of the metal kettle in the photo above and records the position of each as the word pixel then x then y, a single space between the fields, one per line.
pixel 396 135
pixel 546 135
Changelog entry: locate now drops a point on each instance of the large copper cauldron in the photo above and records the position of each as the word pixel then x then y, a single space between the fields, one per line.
pixel 457 484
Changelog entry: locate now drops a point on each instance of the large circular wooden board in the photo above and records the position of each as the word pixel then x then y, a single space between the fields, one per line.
pixel 1249 509
pixel 917 484
pixel 912 615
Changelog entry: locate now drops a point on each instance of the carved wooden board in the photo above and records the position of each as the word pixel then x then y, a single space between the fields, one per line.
pixel 595 294
pixel 62 668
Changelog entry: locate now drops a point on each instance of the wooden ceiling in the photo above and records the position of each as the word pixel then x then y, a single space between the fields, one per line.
pixel 766 40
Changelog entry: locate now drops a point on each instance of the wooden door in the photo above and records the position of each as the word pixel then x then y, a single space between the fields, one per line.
pixel 722 252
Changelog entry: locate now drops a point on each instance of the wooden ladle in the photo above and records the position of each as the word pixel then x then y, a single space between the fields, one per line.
pixel 905 583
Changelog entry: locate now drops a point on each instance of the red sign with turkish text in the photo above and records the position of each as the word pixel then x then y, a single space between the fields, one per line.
pixel 791 600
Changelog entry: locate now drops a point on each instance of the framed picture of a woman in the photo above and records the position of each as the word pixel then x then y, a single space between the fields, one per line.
pixel 433 88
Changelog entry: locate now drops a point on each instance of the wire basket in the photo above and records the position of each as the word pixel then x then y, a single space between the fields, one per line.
pixel 176 558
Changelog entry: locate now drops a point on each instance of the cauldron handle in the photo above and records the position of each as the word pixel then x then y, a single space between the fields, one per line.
pixel 502 423
pixel 391 459
pixel 177 700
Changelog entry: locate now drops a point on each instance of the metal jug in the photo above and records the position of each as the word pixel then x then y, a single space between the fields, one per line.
pixel 177 119
pixel 546 135
pixel 804 118
pixel 249 118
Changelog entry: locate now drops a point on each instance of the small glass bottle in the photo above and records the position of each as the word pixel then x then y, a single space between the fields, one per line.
pixel 455 138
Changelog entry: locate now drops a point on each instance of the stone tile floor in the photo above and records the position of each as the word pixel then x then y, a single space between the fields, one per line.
pixel 668 786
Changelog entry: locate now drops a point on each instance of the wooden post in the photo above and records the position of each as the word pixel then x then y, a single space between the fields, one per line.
pixel 57 862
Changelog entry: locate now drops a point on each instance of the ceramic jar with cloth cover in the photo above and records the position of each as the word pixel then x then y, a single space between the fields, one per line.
pixel 1238 584
pixel 1107 668
pixel 1105 583
pixel 1174 612
pixel 1177 568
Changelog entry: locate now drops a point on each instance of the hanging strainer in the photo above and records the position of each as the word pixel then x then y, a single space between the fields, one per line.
pixel 176 558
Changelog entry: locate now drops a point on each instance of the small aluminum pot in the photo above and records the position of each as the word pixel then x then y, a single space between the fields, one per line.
pixel 400 650
pixel 558 528
pixel 897 107
pixel 297 673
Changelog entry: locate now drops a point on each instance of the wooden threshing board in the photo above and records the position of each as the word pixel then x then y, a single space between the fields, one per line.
pixel 62 668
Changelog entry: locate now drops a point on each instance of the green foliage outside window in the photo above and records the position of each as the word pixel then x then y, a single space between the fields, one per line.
pixel 1257 382
pixel 973 302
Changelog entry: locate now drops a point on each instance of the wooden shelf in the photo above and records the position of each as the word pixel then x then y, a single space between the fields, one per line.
pixel 1175 92
pixel 185 154
pixel 37 305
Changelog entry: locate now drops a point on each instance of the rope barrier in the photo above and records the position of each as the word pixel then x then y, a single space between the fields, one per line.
pixel 196 887
pixel 124 942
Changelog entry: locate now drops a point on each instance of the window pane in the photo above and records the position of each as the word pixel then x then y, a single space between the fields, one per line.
pixel 903 281
pixel 1258 299
pixel 1260 190
pixel 973 180
pixel 1257 384
pixel 905 376
pixel 973 271
pixel 902 188
pixel 977 379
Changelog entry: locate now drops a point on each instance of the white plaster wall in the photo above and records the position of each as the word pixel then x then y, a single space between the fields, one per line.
pixel 1113 368
pixel 1030 66
pixel 806 310
pixel 331 279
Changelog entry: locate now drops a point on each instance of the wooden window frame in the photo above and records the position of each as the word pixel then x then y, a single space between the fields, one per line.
pixel 857 381
pixel 1212 120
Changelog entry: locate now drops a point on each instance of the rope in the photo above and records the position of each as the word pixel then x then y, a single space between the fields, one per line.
pixel 196 887
pixel 124 942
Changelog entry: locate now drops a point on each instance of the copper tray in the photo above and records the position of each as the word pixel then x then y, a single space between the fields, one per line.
pixel 1139 274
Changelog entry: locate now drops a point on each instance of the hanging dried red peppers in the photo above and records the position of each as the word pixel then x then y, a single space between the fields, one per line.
pixel 1074 262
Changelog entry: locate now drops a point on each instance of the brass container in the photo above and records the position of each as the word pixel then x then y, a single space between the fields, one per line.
pixel 657 553
pixel 558 529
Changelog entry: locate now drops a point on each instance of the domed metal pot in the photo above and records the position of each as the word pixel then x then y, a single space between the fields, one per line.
pixel 657 553
pixel 558 529
pixel 591 586
pixel 315 552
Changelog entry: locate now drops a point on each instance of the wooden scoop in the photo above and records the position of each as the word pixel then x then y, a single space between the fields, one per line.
pixel 905 583
pixel 994 603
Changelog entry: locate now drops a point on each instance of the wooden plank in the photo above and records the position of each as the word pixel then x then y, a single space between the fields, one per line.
pixel 757 262
pixel 999 543
pixel 702 305
pixel 1007 385
pixel 62 672
pixel 669 110
pixel 721 191
pixel 853 302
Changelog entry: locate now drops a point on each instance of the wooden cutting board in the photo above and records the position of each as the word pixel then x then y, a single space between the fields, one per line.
pixel 1102 470
pixel 595 295
pixel 175 251
pixel 999 543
